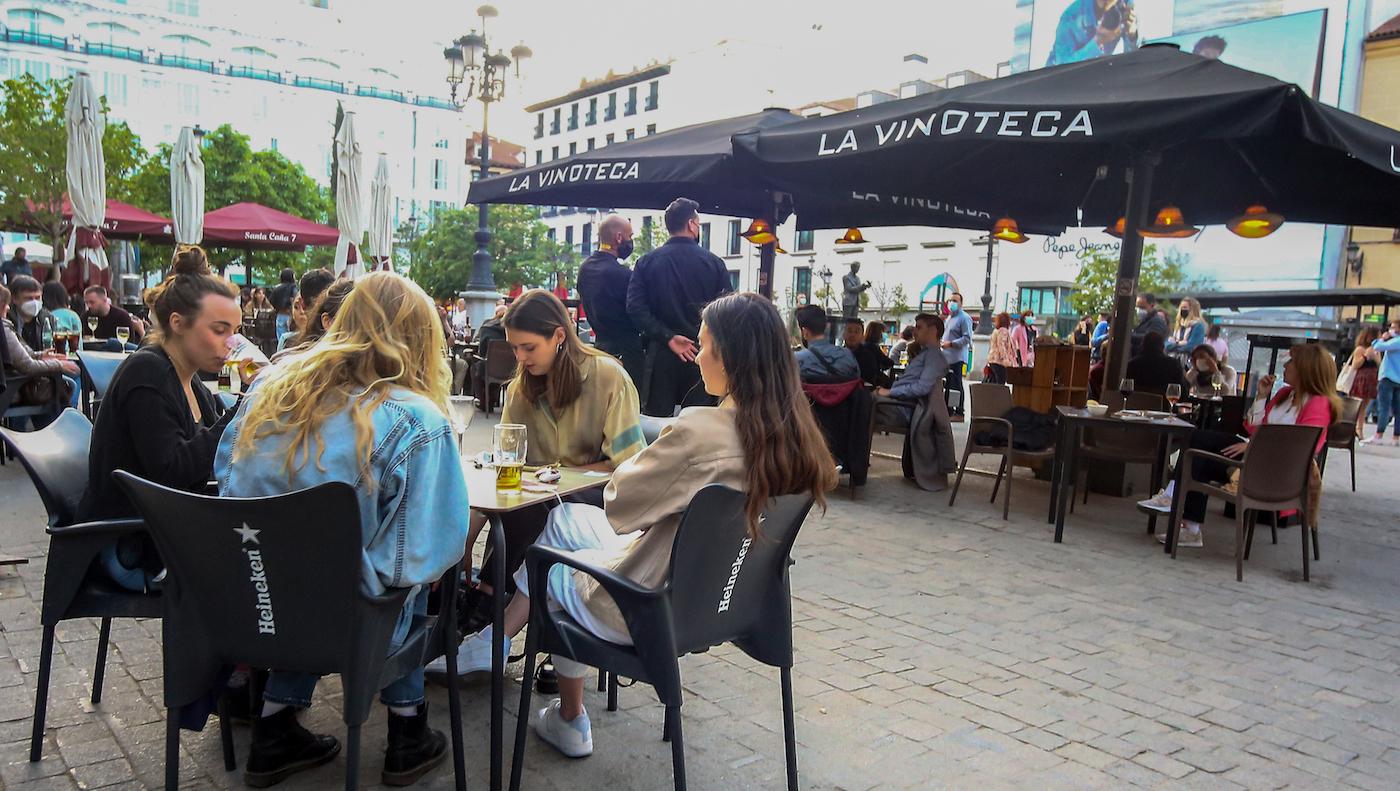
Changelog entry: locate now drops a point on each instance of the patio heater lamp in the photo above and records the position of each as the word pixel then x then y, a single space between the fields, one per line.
pixel 472 61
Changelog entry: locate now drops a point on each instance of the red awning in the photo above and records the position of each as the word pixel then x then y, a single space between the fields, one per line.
pixel 253 226
pixel 124 221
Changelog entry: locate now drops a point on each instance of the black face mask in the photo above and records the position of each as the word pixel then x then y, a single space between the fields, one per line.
pixel 624 248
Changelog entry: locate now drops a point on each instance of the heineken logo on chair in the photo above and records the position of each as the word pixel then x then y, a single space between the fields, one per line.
pixel 257 575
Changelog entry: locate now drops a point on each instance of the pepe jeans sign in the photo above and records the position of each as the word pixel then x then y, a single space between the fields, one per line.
pixel 961 123
pixel 1062 247
pixel 580 172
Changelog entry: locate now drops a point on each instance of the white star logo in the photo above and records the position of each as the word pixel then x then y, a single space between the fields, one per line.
pixel 247 533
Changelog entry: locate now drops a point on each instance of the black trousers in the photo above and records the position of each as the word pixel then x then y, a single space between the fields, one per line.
pixel 632 355
pixel 522 528
pixel 1206 470
pixel 669 379
pixel 952 383
pixel 998 376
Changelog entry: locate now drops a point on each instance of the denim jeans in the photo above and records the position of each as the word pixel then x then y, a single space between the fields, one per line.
pixel 295 689
pixel 284 324
pixel 1388 404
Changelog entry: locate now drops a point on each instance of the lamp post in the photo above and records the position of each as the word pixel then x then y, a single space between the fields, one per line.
pixel 470 59
pixel 984 319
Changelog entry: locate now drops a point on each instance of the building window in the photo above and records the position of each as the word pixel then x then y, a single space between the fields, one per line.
pixel 805 241
pixel 272 144
pixel 705 235
pixel 611 113
pixel 631 134
pixel 569 236
pixel 189 100
pixel 651 129
pixel 442 142
pixel 573 116
pixel 553 153
pixel 802 285
pixel 539 156
pixel 646 227
pixel 631 106
pixel 573 148
pixel 592 117
pixel 114 88
pixel 549 234
pixel 587 239
pixel 611 138
pixel 439 174
pixel 734 279
pixel 554 125
pixel 436 207
pixel 184 7
pixel 539 125
pixel 654 95
pixel 733 247
pixel 591 143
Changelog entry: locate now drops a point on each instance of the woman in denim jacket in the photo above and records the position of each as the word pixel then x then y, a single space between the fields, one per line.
pixel 366 405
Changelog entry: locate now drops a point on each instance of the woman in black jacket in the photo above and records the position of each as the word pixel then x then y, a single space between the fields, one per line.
pixel 157 420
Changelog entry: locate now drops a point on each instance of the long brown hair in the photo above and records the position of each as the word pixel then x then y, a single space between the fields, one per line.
pixel 539 312
pixel 1317 376
pixel 784 450
pixel 327 304
pixel 189 282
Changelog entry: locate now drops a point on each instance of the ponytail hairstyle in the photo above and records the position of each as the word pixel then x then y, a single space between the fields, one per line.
pixel 784 450
pixel 189 282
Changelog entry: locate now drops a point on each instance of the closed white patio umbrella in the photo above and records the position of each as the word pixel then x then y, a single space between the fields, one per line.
pixel 349 206
pixel 187 188
pixel 85 255
pixel 381 217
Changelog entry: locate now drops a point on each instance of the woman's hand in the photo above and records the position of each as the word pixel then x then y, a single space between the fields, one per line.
pixel 1236 450
pixel 1266 385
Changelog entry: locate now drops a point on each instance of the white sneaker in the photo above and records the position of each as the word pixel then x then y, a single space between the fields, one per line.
pixel 473 656
pixel 1374 439
pixel 574 739
pixel 1161 501
pixel 1188 536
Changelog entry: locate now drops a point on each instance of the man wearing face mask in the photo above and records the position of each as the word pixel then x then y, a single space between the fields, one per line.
pixel 602 288
pixel 1148 320
pixel 957 336
pixel 31 319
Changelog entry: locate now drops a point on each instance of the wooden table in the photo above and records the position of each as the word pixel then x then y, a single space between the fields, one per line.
pixel 482 494
pixel 1073 421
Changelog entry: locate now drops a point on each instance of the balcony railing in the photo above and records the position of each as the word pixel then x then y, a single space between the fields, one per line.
pixel 379 93
pixel 255 74
pixel 185 62
pixel 113 51
pixel 319 84
pixel 37 39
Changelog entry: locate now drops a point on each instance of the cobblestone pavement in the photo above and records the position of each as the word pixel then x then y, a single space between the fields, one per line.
pixel 937 647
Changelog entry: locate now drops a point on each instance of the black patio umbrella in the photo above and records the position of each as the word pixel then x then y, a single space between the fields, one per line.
pixel 697 162
pixel 1112 137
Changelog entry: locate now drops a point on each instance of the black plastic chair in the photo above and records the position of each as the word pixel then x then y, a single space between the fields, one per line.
pixel 56 458
pixel 275 582
pixel 97 369
pixel 722 588
pixel 11 383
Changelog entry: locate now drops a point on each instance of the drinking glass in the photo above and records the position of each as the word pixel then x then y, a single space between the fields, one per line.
pixel 92 326
pixel 508 450
pixel 463 409
pixel 1173 396
pixel 1217 380
pixel 123 333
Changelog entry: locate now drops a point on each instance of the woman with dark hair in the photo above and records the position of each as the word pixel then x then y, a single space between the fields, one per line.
pixel 1000 353
pixel 157 419
pixel 56 302
pixel 318 319
pixel 761 439
pixel 1218 343
pixel 579 408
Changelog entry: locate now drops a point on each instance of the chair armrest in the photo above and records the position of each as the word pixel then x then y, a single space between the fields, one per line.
pixel 624 592
pixel 1196 453
pixel 101 527
pixel 997 421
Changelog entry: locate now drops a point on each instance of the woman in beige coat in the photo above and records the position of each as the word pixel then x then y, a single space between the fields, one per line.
pixel 761 439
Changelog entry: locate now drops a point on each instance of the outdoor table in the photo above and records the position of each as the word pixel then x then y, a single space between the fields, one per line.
pixel 1073 421
pixel 482 494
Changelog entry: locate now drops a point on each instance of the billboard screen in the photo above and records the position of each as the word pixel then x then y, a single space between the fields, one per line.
pixel 1286 47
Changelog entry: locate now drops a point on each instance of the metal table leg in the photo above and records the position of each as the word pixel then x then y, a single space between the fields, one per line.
pixel 1057 467
pixel 1068 473
pixel 1174 515
pixel 498 637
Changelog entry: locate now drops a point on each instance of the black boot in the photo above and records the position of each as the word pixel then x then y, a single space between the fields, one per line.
pixel 281 748
pixel 413 748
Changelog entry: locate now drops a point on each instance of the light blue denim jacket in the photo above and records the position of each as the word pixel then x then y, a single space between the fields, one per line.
pixel 413 520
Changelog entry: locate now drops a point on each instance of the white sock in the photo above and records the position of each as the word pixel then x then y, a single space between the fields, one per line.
pixel 269 708
pixel 1194 527
pixel 404 711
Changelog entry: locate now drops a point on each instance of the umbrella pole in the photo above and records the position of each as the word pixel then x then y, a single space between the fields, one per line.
pixel 768 253
pixel 1139 177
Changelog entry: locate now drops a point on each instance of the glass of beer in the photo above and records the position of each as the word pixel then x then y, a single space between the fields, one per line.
pixel 508 451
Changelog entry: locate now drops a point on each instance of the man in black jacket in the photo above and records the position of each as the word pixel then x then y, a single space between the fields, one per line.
pixel 669 287
pixel 602 288
pixel 1153 369
pixel 1148 320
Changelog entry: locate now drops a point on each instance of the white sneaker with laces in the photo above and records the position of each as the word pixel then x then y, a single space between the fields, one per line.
pixel 1374 439
pixel 573 739
pixel 1161 501
pixel 1189 535
pixel 473 656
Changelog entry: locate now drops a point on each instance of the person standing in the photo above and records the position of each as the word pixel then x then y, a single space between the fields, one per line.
pixel 668 289
pixel 1000 355
pixel 1190 329
pixel 1023 339
pixel 1148 320
pixel 1388 387
pixel 851 288
pixel 281 299
pixel 1218 343
pixel 602 288
pixel 957 337
pixel 19 265
pixel 1366 385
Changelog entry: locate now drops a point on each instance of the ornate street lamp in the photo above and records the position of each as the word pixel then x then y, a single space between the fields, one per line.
pixel 470 60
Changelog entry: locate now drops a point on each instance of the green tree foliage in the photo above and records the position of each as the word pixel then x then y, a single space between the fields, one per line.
pixel 34 155
pixel 521 251
pixel 1160 274
pixel 899 303
pixel 234 173
pixel 645 241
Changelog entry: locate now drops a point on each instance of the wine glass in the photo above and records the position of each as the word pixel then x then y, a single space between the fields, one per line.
pixel 1173 396
pixel 1125 389
pixel 1217 381
pixel 123 333
pixel 92 326
pixel 463 409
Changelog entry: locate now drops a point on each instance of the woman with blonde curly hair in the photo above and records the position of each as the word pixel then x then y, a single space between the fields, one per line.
pixel 365 405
